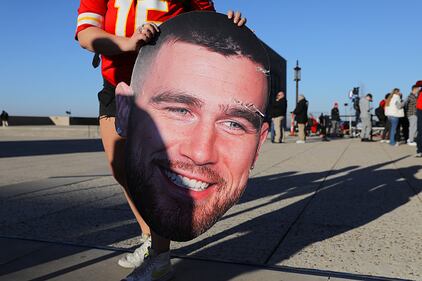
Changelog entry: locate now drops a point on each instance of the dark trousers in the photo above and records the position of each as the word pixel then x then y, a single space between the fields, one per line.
pixel 419 126
pixel 402 130
pixel 386 131
pixel 272 132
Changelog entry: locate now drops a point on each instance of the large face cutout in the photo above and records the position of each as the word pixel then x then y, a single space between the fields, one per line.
pixel 194 132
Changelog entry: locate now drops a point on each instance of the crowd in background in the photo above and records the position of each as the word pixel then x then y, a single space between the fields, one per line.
pixel 278 112
pixel 400 118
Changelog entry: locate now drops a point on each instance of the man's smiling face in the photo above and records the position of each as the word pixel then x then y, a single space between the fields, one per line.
pixel 194 137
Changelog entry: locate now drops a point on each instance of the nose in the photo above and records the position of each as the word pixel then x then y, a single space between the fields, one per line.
pixel 200 146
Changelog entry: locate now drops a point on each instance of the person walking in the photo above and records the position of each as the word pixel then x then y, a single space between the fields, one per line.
pixel 301 117
pixel 278 116
pixel 410 110
pixel 365 116
pixel 4 118
pixel 394 111
pixel 335 120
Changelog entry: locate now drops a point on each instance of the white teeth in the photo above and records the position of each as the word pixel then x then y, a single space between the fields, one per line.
pixel 186 182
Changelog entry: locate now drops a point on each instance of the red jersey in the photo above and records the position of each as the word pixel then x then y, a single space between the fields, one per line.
pixel 122 17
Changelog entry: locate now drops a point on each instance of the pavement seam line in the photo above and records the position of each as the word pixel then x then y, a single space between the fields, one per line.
pixel 297 270
pixel 26 254
pixel 48 188
pixel 65 209
pixel 327 174
pixel 61 243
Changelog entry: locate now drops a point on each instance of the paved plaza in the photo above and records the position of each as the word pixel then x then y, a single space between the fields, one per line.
pixel 338 210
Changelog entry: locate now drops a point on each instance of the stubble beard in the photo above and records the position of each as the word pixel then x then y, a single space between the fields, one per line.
pixel 170 217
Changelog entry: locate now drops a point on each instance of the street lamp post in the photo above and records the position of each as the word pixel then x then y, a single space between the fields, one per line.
pixel 297 78
pixel 297 70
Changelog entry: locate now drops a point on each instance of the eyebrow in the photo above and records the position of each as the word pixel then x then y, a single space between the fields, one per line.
pixel 241 112
pixel 177 97
pixel 174 96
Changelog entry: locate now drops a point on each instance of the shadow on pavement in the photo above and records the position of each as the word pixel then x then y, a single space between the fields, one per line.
pixel 375 191
pixel 331 212
pixel 48 147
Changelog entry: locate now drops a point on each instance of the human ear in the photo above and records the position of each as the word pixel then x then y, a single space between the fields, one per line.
pixel 124 100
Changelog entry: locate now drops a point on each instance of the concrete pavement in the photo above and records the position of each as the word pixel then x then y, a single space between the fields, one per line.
pixel 342 210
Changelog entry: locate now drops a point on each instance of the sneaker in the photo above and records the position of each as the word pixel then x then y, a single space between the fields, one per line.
pixel 382 141
pixel 396 144
pixel 419 155
pixel 411 143
pixel 155 268
pixel 300 141
pixel 135 259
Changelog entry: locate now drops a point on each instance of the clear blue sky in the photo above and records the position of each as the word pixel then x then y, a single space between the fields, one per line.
pixel 374 44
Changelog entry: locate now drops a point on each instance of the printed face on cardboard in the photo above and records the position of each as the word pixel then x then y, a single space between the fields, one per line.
pixel 195 124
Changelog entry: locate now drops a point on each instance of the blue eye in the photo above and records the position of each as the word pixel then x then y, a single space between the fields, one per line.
pixel 234 125
pixel 181 111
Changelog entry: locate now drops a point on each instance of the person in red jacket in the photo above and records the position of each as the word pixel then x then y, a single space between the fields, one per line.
pixel 384 120
pixel 419 119
pixel 116 30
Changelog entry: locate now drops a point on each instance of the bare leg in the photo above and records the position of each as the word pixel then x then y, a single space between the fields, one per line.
pixel 114 147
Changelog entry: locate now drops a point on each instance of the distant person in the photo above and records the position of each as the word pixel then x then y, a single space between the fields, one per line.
pixel 402 130
pixel 356 102
pixel 324 120
pixel 365 116
pixel 4 118
pixel 410 110
pixel 313 125
pixel 335 120
pixel 278 116
pixel 380 112
pixel 419 117
pixel 394 111
pixel 301 117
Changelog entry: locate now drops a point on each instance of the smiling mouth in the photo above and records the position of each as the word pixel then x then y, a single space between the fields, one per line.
pixel 185 182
